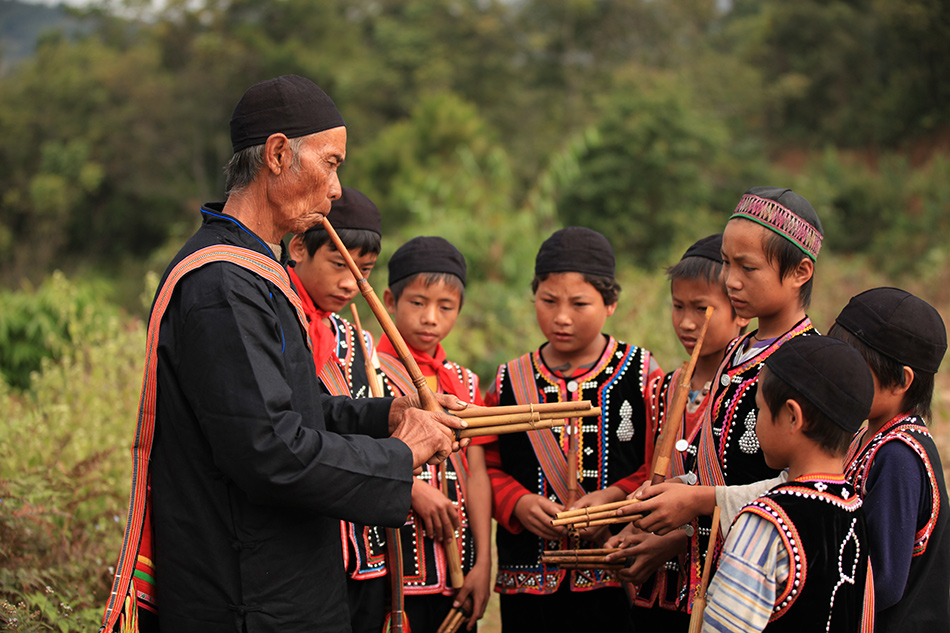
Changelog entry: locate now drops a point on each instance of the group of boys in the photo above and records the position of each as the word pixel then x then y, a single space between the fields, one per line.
pixel 772 433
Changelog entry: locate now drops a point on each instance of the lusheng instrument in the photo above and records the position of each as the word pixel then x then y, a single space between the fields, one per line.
pixel 427 398
pixel 606 514
pixel 583 558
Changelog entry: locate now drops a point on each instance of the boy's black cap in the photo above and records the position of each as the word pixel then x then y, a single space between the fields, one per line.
pixel 289 104
pixel 575 249
pixel 427 254
pixel 898 325
pixel 786 213
pixel 830 374
pixel 709 247
pixel 353 210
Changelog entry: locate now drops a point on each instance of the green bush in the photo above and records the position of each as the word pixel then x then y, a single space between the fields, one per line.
pixel 64 468
pixel 44 323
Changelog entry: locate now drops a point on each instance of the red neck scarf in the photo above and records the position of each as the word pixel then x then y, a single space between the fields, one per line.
pixel 449 381
pixel 321 335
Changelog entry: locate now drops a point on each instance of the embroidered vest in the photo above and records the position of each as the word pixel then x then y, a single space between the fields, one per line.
pixel 926 599
pixel 823 530
pixel 610 447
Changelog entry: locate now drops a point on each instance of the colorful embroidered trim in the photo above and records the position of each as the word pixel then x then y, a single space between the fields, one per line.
pixel 782 220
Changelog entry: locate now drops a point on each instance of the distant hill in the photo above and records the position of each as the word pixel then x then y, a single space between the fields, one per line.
pixel 21 25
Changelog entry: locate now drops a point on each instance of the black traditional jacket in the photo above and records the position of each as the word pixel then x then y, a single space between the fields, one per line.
pixel 252 467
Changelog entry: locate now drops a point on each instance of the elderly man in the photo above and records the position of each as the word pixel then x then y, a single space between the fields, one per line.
pixel 252 464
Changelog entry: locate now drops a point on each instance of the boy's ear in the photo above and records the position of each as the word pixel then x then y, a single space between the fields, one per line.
pixel 298 247
pixel 611 308
pixel 909 377
pixel 389 301
pixel 794 413
pixel 803 272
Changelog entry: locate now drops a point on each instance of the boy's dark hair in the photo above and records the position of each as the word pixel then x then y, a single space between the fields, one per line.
pixel 608 287
pixel 817 426
pixel 890 373
pixel 365 240
pixel 453 281
pixel 780 251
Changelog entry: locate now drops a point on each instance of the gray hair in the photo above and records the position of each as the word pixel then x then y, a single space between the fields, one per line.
pixel 245 164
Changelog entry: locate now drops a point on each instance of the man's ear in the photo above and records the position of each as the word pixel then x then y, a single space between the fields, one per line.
pixel 277 153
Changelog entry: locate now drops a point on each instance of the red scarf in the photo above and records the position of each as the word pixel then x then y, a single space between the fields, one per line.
pixel 321 335
pixel 449 381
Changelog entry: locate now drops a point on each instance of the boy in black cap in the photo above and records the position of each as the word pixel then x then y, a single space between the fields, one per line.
pixel 425 294
pixel 894 463
pixel 325 286
pixel 574 293
pixel 695 282
pixel 796 558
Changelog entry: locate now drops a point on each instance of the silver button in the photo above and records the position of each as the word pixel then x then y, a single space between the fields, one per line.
pixel 725 380
pixel 572 386
pixel 681 445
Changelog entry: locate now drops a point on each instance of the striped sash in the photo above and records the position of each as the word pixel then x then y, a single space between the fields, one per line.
pixel 121 608
pixel 545 445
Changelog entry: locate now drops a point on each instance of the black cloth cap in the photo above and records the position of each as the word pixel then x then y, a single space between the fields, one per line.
pixel 830 374
pixel 575 249
pixel 898 325
pixel 289 104
pixel 709 248
pixel 427 254
pixel 353 210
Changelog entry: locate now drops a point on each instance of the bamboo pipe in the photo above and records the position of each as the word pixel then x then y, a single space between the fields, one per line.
pixel 543 407
pixel 699 603
pixel 502 429
pixel 674 417
pixel 427 399
pixel 592 509
pixel 515 418
pixel 393 537
pixel 573 485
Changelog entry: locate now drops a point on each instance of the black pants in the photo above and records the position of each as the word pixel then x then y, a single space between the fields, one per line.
pixel 367 600
pixel 568 611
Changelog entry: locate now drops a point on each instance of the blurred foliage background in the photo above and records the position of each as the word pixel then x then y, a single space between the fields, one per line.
pixel 489 122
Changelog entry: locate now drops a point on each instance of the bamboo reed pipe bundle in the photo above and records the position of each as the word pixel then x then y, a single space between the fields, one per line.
pixel 427 399
pixel 603 551
pixel 455 617
pixel 699 602
pixel 502 429
pixel 563 407
pixel 593 509
pixel 517 418
pixel 611 520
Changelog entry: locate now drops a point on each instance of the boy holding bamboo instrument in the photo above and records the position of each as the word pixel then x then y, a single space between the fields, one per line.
pixel 695 284
pixel 425 294
pixel 325 285
pixel 769 248
pixel 535 475
pixel 796 558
